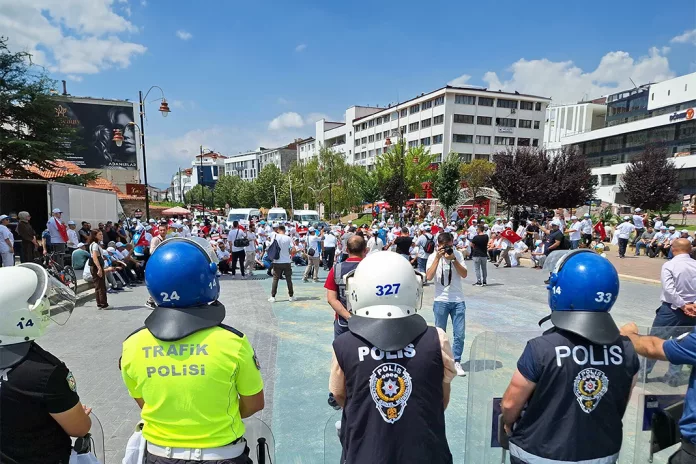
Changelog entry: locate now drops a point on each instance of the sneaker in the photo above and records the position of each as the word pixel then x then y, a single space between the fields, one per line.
pixel 484 284
pixel 272 299
pixel 496 264
pixel 111 291
pixel 105 307
pixel 477 284
pixel 305 280
pixel 316 281
pixel 150 304
pixel 459 369
pixel 291 299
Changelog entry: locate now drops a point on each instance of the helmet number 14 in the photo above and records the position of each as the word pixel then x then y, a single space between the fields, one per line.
pixel 603 297
pixel 23 325
pixel 168 297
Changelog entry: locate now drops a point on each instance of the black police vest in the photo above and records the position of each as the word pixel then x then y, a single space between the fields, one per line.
pixel 394 411
pixel 580 398
pixel 340 270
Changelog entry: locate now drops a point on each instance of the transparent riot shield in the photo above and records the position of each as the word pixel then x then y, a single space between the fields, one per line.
pixel 650 423
pixel 90 447
pixel 332 443
pixel 260 441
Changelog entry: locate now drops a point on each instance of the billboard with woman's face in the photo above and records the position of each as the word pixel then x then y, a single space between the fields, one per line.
pixel 95 121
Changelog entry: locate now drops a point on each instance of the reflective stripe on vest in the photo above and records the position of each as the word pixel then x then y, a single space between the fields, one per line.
pixel 532 459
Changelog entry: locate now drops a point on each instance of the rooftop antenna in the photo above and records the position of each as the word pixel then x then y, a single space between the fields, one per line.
pixel 634 84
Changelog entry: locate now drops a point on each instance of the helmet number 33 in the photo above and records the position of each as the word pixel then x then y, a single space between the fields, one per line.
pixel 169 297
pixel 389 289
pixel 603 297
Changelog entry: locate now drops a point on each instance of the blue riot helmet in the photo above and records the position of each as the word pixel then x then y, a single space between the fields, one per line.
pixel 181 276
pixel 582 289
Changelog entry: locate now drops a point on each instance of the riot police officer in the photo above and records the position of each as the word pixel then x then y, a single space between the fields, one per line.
pixel 576 378
pixel 194 377
pixel 39 406
pixel 390 371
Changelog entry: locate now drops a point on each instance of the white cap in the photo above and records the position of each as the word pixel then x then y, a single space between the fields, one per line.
pixel 311 229
pixel 638 210
pixel 587 215
pixel 111 249
pixel 80 245
pixel 275 225
pixel 350 221
pixel 151 221
pixel 663 227
pixel 134 219
pixel 119 245
pixel 556 222
pixel 56 210
pixel 684 231
pixel 537 243
pixel 186 220
pixel 3 217
pixel 626 218
pixel 671 227
pixel 498 219
pixel 473 220
pixel 573 218
pixel 71 223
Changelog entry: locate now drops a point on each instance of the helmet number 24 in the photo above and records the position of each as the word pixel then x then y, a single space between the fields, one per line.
pixel 389 289
pixel 603 297
pixel 170 297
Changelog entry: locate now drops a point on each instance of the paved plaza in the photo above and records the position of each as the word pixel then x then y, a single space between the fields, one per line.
pixel 292 342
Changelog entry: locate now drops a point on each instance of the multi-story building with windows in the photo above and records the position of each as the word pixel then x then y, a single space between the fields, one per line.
pixel 181 183
pixel 566 120
pixel 306 149
pixel 663 115
pixel 207 168
pixel 473 122
pixel 245 165
pixel 282 157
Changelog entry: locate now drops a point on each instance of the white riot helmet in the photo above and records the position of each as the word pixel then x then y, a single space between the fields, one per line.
pixel 31 299
pixel 384 294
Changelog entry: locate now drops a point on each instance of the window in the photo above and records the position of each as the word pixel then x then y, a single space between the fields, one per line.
pixel 438 157
pixel 614 143
pixel 464 118
pixel 413 127
pixel 522 142
pixel 385 134
pixel 357 128
pixel 465 157
pixel 485 101
pixel 635 139
pixel 535 142
pixel 483 139
pixel 536 124
pixel 379 121
pixel 364 140
pixel 481 156
pixel 594 146
pixel 437 139
pixel 484 120
pixel 439 100
pixel 378 136
pixel 512 104
pixel 438 119
pixel 505 122
pixel 462 138
pixel 526 105
pixel 505 141
pixel 378 151
pixel 413 143
pixel 609 179
pixel 370 138
pixel 427 104
pixel 404 113
pixel 525 124
pixel 537 106
pixel 425 141
pixel 465 99
pixel 426 123
pixel 662 134
pixel 386 118
pixel 371 123
pixel 402 129
pixel 687 129
pixel 414 109
pixel 364 126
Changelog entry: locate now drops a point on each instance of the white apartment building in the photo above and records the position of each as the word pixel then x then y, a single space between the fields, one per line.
pixel 282 157
pixel 181 183
pixel 306 149
pixel 572 119
pixel 473 122
pixel 245 165
pixel 661 114
pixel 207 168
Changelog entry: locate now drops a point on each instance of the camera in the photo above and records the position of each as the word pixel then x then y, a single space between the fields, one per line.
pixel 449 250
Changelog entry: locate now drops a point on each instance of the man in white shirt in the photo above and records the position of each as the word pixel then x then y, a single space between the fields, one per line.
pixel 423 239
pixel 185 231
pixel 574 233
pixel 472 231
pixel 639 224
pixel 329 245
pixel 224 256
pixel 624 231
pixel 446 267
pixel 313 257
pixel 586 229
pixel 374 244
pixel 6 242
pixel 658 223
pixel 58 232
pixel 238 253
pixel 657 244
pixel 455 216
pixel 282 266
pixel 250 250
pixel 498 226
pixel 505 249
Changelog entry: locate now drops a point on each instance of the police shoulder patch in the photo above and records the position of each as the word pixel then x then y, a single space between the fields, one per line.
pixel 256 361
pixel 72 383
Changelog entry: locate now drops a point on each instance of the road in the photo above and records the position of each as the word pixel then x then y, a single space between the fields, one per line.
pixel 293 345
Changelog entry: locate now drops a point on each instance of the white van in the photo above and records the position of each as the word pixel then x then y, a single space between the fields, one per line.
pixel 277 215
pixel 243 215
pixel 305 217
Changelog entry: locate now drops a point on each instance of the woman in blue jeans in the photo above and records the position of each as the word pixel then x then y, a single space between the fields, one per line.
pixel 446 267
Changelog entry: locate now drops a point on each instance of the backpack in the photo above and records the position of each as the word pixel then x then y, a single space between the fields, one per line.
pixel 429 246
pixel 274 251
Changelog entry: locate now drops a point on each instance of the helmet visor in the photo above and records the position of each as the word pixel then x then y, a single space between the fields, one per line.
pixel 554 259
pixel 62 301
pixel 206 247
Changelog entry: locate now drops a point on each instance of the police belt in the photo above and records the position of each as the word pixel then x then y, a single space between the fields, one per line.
pixel 688 446
pixel 231 451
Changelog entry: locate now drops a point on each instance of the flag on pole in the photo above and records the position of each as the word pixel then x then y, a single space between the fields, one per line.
pixel 140 239
pixel 472 219
pixel 511 236
pixel 442 214
pixel 599 228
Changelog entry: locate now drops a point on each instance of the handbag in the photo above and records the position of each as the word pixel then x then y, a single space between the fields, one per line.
pixel 135 449
pixel 240 242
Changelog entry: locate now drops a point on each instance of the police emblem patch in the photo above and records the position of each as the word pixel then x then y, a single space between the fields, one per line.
pixel 256 361
pixel 590 386
pixel 72 383
pixel 390 387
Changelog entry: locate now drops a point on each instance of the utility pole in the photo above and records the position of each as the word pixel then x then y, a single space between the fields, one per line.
pixel 200 182
pixel 142 146
pixel 181 187
pixel 292 205
pixel 275 197
pixel 330 187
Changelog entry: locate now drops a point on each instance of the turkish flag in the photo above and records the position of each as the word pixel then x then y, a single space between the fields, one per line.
pixel 434 229
pixel 442 214
pixel 140 239
pixel 62 230
pixel 511 236
pixel 599 228
pixel 472 218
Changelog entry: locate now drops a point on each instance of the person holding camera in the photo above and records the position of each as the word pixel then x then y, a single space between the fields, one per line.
pixel 446 266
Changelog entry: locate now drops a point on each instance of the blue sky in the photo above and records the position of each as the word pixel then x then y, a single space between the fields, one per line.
pixel 230 68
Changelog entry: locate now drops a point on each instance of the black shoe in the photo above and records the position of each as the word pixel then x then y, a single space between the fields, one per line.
pixel 484 284
pixel 673 381
pixel 507 265
pixel 477 284
pixel 150 304
pixel 496 264
pixel 546 281
pixel 332 402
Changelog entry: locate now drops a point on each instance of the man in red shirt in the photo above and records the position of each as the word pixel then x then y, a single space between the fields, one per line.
pixel 336 289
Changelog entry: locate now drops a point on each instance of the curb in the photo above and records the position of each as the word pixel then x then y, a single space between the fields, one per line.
pixel 621 276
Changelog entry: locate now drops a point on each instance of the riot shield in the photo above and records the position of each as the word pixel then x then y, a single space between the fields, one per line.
pixel 260 440
pixel 332 443
pixel 650 424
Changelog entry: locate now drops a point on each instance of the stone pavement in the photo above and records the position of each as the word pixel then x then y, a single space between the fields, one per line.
pixel 293 343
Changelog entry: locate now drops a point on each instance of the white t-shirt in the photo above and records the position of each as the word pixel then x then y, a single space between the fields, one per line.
pixel 234 235
pixel 472 231
pixel 5 233
pixel 658 224
pixel 329 240
pixel 223 255
pixel 575 231
pixel 625 229
pixel 586 226
pixel 73 239
pixel 285 244
pixel 451 291
pixel 638 221
pixel 252 241
pixel 374 244
pixel 421 245
pixel 313 243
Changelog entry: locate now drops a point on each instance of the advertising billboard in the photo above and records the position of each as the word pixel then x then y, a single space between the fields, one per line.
pixel 95 121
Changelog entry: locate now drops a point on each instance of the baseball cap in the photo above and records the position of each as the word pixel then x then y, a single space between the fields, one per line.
pixel 663 227
pixel 134 219
pixel 56 210
pixel 119 244
pixel 473 220
pixel 556 223
pixel 573 217
pixel 80 245
pixel 638 210
pixel 186 220
pixel 626 218
pixel 275 225
pixel 71 223
pixel 311 229
pixel 684 231
pixel 151 221
pixel 111 249
pixel 671 227
pixel 3 217
pixel 586 215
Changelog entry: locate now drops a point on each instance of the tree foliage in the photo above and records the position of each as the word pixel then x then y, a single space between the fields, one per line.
pixel 517 176
pixel 570 178
pixel 415 163
pixel 30 132
pixel 227 191
pixel 199 195
pixel 477 175
pixel 651 180
pixel 447 182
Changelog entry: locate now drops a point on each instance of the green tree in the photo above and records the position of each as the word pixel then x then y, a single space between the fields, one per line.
pixel 247 194
pixel 30 132
pixel 651 181
pixel 269 177
pixel 447 182
pixel 367 185
pixel 477 176
pixel 227 192
pixel 415 164
pixel 198 195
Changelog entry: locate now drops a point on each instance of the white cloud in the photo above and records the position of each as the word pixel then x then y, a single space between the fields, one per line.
pixel 183 35
pixel 286 121
pixel 460 81
pixel 282 101
pixel 311 118
pixel 686 37
pixel 143 2
pixel 75 78
pixel 301 48
pixel 565 82
pixel 70 36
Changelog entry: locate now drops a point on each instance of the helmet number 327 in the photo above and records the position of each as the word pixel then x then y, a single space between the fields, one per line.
pixel 388 289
